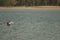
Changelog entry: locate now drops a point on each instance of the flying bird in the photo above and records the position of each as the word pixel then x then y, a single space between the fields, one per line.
pixel 9 23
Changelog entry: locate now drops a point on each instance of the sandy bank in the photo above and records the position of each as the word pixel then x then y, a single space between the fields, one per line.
pixel 34 7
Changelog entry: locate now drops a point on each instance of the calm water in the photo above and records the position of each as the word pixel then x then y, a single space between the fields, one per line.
pixel 30 25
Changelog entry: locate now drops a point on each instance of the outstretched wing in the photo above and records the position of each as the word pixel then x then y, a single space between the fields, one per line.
pixel 11 22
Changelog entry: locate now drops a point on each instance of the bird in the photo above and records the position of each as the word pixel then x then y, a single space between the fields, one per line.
pixel 9 23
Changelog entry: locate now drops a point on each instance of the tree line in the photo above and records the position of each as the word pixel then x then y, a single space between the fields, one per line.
pixel 29 2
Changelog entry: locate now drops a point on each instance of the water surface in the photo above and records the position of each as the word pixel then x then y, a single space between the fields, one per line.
pixel 30 25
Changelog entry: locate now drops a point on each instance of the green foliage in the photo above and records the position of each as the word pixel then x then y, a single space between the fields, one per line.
pixel 7 2
pixel 29 2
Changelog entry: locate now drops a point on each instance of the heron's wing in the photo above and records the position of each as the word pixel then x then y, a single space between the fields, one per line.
pixel 11 22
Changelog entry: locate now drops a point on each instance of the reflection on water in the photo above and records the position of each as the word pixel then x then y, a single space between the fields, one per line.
pixel 30 25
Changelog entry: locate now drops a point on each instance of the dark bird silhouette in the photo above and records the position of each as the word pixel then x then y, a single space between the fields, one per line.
pixel 9 23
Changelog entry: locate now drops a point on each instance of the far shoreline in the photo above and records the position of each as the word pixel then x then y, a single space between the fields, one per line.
pixel 33 7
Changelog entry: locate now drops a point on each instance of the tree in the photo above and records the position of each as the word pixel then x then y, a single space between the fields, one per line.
pixel 29 2
pixel 58 2
pixel 7 2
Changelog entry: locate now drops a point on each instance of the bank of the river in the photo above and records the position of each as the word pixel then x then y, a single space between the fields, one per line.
pixel 34 7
